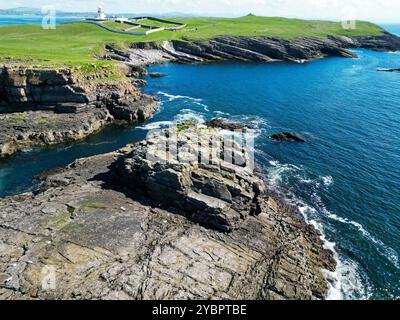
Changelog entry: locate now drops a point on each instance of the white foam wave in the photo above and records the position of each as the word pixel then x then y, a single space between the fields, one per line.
pixel 203 105
pixel 190 115
pixel 156 125
pixel 172 97
pixel 279 171
pixel 328 181
pixel 274 163
pixel 222 113
pixel 383 249
pixel 345 282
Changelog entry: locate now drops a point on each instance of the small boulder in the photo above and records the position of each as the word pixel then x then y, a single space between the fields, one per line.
pixel 157 75
pixel 287 136
pixel 219 123
pixel 388 70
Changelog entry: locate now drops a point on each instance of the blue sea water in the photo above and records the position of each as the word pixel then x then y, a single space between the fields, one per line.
pixel 9 20
pixel 345 179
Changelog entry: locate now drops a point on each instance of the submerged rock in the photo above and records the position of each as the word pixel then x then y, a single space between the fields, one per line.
pixel 157 75
pixel 287 136
pixel 388 70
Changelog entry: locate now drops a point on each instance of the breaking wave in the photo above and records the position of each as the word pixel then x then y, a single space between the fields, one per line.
pixel 156 125
pixel 172 97
pixel 347 281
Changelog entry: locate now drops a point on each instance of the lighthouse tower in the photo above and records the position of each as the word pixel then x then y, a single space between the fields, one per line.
pixel 101 15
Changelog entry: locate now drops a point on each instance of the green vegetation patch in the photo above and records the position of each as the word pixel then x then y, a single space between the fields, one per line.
pixel 94 205
pixel 41 120
pixel 20 116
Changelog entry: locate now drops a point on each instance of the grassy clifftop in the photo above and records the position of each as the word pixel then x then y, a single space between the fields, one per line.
pixel 79 43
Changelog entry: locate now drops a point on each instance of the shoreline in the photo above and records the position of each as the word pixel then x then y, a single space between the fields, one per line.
pixel 69 93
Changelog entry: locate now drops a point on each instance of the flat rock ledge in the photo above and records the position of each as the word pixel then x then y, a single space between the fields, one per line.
pixel 125 226
pixel 43 106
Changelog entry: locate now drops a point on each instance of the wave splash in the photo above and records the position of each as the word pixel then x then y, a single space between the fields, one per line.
pixel 347 282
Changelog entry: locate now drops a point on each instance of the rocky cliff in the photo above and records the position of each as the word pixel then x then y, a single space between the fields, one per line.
pixel 258 49
pixel 264 49
pixel 50 105
pixel 98 229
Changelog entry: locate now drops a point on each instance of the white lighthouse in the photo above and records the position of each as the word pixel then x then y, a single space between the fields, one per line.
pixel 101 15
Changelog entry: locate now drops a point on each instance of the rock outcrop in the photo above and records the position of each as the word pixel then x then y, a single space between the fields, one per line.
pixel 85 235
pixel 197 170
pixel 258 49
pixel 226 125
pixel 41 106
pixel 265 49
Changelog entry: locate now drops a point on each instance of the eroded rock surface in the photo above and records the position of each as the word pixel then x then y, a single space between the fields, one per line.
pixel 87 235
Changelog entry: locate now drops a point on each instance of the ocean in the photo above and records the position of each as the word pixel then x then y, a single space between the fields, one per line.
pixel 10 20
pixel 345 179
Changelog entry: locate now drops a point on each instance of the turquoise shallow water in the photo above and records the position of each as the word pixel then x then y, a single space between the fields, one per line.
pixel 345 179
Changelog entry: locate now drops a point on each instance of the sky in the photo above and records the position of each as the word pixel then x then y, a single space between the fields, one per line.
pixel 372 10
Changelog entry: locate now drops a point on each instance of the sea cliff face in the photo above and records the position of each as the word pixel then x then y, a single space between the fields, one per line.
pixel 257 49
pixel 186 231
pixel 49 105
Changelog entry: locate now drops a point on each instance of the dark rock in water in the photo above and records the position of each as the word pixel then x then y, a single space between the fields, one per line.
pixel 222 124
pixel 287 136
pixel 388 70
pixel 157 75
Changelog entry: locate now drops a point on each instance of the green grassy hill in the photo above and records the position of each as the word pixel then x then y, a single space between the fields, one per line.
pixel 79 43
